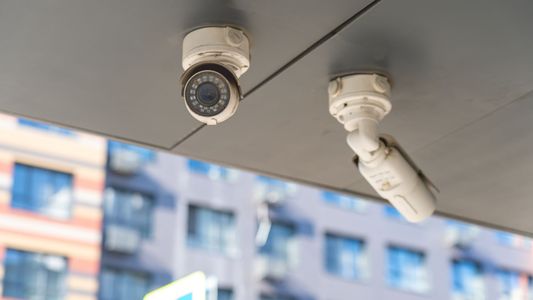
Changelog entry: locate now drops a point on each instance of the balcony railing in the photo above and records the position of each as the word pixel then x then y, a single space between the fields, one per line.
pixel 461 235
pixel 272 191
pixel 127 159
pixel 121 239
pixel 268 268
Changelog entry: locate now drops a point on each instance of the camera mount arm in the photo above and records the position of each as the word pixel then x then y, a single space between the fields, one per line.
pixel 360 102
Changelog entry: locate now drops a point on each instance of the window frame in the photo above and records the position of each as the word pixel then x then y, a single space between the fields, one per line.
pixel 288 257
pixel 224 244
pixel 229 293
pixel 146 154
pixel 116 290
pixel 38 268
pixel 361 272
pixel 480 272
pixel 421 256
pixel 148 197
pixel 45 127
pixel 211 171
pixel 27 201
pixel 337 200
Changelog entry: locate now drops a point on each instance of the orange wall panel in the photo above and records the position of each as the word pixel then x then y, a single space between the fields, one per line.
pixel 84 266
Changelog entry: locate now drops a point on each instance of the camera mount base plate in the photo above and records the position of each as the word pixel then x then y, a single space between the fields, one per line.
pixel 224 45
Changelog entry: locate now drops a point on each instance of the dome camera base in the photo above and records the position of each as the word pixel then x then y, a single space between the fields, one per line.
pixel 223 45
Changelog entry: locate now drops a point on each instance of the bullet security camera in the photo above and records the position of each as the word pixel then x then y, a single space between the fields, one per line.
pixel 213 59
pixel 360 102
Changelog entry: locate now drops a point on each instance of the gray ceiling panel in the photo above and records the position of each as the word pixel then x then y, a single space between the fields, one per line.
pixel 484 171
pixel 112 66
pixel 456 68
pixel 462 75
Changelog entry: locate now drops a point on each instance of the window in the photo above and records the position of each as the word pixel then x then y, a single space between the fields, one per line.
pixel 344 201
pixel 212 171
pixel 34 276
pixel 131 209
pixel 123 285
pixel 460 234
pixel 345 257
pixel 211 229
pixel 392 212
pixel 144 153
pixel 512 285
pixel 512 240
pixel 43 191
pixel 45 127
pixel 279 246
pixel 269 297
pixel 467 280
pixel 273 190
pixel 407 270
pixel 505 238
pixel 224 294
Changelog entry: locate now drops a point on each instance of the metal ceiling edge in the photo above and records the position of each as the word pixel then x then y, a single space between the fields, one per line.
pixel 85 130
pixel 288 178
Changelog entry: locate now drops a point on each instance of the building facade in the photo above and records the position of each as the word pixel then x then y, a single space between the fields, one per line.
pixel 52 183
pixel 83 218
pixel 267 239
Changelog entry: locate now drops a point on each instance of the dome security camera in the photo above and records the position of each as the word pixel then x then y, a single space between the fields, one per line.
pixel 360 102
pixel 213 59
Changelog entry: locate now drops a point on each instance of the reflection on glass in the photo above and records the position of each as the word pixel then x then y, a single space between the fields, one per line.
pixel 460 234
pixel 280 241
pixel 344 201
pixel 407 270
pixel 212 171
pixel 273 190
pixel 512 285
pixel 512 240
pixel 30 275
pixel 224 294
pixel 120 284
pixel 345 257
pixel 130 209
pixel 392 212
pixel 211 229
pixel 467 279
pixel 45 127
pixel 43 191
pixel 144 153
pixel 277 297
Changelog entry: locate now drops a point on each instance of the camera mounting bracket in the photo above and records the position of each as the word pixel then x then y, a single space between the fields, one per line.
pixel 360 102
pixel 224 45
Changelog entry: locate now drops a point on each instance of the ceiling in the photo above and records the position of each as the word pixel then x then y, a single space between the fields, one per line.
pixel 462 74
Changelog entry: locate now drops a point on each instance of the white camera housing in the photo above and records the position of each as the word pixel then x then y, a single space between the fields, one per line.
pixel 360 102
pixel 395 177
pixel 213 59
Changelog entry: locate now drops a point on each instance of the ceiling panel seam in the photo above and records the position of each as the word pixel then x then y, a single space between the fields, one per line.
pixel 294 60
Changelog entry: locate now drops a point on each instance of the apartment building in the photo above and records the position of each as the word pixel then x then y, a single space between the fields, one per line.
pixel 267 239
pixel 84 218
pixel 51 188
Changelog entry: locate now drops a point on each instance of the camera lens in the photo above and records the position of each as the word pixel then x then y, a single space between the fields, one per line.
pixel 207 94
